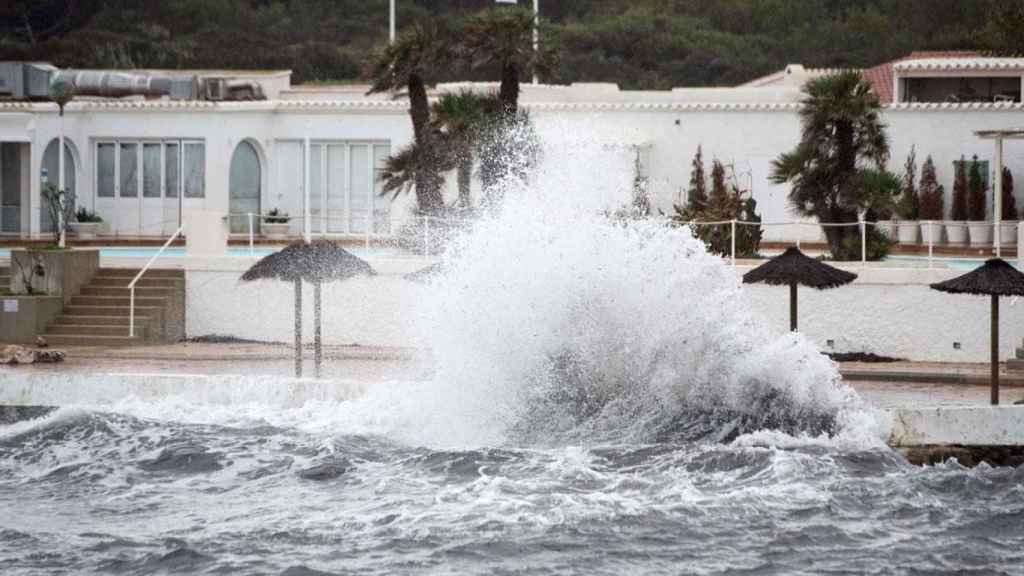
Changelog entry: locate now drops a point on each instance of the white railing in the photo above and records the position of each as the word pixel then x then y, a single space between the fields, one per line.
pixel 427 232
pixel 131 285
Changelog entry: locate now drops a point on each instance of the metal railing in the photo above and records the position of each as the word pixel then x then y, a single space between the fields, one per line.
pixel 431 230
pixel 131 285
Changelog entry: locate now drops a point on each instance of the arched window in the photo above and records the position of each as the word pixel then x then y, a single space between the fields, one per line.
pixel 244 185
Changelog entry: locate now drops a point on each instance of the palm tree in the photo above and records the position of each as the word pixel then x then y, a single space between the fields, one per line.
pixel 842 147
pixel 503 37
pixel 460 117
pixel 414 57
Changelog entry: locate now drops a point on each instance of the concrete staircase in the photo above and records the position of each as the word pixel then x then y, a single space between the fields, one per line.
pixel 99 314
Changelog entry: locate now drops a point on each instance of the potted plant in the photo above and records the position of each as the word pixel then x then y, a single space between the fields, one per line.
pixel 956 230
pixel 87 224
pixel 1008 226
pixel 931 202
pixel 275 224
pixel 980 230
pixel 907 208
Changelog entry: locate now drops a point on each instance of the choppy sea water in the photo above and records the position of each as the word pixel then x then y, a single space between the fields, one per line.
pixel 112 493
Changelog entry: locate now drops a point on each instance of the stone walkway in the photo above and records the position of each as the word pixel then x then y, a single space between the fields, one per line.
pixel 883 384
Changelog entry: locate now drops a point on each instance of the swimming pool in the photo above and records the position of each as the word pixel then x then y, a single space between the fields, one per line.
pixel 953 263
pixel 146 252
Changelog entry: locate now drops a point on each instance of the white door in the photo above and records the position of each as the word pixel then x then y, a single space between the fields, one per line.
pixel 152 219
pixel 106 184
pixel 360 203
pixel 129 181
pixel 171 187
pixel 337 188
pixel 287 195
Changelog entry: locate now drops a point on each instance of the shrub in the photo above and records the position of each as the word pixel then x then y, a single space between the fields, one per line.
pixel 932 194
pixel 86 216
pixel 696 194
pixel 1009 202
pixel 878 246
pixel 727 202
pixel 276 216
pixel 959 212
pixel 976 204
pixel 908 208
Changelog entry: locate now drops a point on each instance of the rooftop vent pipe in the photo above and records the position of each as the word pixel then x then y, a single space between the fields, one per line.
pixel 110 84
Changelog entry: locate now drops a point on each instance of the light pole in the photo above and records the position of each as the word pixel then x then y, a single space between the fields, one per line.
pixel 536 36
pixel 391 37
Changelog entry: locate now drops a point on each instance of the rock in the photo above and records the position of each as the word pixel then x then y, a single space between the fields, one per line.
pixel 41 342
pixel 15 354
pixel 1021 401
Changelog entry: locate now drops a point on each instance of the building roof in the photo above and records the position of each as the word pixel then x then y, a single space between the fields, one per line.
pixel 881 77
pixel 959 64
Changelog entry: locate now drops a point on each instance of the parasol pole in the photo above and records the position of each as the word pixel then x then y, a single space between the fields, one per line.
pixel 995 350
pixel 792 306
pixel 298 328
pixel 318 348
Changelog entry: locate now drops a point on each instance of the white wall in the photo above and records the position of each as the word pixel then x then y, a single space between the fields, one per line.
pixel 747 136
pixel 888 311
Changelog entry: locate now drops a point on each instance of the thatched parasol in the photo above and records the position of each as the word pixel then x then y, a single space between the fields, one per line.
pixel 791 268
pixel 995 278
pixel 315 262
pixel 425 274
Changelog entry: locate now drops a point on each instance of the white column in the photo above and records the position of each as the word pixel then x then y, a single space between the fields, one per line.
pixel 997 193
pixel 60 181
pixel 306 224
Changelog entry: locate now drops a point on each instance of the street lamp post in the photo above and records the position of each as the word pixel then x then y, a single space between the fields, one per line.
pixel 391 36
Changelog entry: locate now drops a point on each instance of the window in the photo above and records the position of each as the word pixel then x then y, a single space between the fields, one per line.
pixel 151 171
pixel 118 166
pixel 172 169
pixel 195 170
pixel 105 177
pixel 129 170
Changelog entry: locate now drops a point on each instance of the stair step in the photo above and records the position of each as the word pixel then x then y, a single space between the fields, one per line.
pixel 93 310
pixel 133 272
pixel 144 281
pixel 124 291
pixel 89 330
pixel 76 319
pixel 74 340
pixel 123 301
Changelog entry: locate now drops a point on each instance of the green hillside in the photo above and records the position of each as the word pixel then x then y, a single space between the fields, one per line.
pixel 638 43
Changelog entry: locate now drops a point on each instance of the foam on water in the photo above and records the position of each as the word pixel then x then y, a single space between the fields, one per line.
pixel 556 324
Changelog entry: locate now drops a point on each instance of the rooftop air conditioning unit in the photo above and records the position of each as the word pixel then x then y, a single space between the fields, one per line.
pixel 215 89
pixel 25 80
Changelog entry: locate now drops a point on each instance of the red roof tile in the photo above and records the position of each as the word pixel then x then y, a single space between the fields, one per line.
pixel 881 77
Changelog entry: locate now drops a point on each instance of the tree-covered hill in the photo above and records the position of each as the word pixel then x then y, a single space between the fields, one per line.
pixel 637 43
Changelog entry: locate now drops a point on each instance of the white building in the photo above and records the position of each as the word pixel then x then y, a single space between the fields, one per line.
pixel 315 152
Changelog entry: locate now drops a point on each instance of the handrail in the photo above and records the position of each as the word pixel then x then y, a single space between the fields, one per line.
pixel 131 285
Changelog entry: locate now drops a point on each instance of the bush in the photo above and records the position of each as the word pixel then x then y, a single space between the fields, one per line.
pixel 1009 202
pixel 276 216
pixel 959 212
pixel 85 216
pixel 726 202
pixel 932 194
pixel 976 204
pixel 908 207
pixel 878 246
